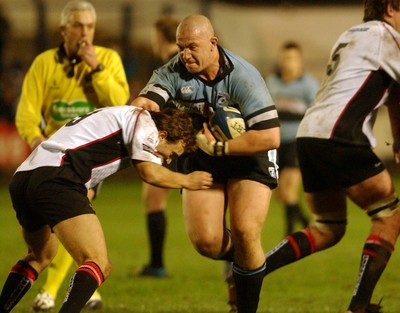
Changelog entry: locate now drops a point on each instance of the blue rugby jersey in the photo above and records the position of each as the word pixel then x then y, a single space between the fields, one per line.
pixel 238 84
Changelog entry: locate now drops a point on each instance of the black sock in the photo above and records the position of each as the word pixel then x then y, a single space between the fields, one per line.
pixel 291 249
pixel 87 278
pixel 291 213
pixel 294 214
pixel 18 282
pixel 156 227
pixel 228 256
pixel 376 254
pixel 248 286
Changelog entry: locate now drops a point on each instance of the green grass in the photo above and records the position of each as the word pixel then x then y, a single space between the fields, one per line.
pixel 320 283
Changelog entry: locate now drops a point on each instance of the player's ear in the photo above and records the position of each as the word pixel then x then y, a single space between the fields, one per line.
pixel 214 42
pixel 162 134
pixel 389 10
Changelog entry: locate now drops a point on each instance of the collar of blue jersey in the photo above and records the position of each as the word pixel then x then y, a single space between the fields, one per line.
pixel 226 65
pixel 224 61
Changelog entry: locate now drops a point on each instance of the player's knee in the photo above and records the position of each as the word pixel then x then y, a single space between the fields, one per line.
pixel 207 247
pixel 107 269
pixel 385 207
pixel 103 264
pixel 331 226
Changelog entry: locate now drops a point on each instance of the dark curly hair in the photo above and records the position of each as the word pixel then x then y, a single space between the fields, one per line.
pixel 178 125
pixel 376 9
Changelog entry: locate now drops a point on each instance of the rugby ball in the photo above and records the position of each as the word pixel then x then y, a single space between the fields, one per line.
pixel 227 123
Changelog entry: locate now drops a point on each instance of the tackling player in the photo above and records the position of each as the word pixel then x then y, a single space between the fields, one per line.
pixel 49 190
pixel 335 142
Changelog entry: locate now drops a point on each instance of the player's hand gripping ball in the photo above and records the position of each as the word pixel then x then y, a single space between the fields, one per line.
pixel 227 123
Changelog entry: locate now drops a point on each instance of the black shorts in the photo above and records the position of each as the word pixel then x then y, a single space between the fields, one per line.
pixel 47 196
pixel 258 167
pixel 287 155
pixel 327 164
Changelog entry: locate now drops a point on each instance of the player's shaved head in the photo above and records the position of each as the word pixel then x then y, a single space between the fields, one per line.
pixel 198 46
pixel 198 25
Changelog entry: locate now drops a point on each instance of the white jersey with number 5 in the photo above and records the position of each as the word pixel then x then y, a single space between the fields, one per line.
pixel 364 63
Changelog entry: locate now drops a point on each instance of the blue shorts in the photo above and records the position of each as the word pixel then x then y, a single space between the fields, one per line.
pixel 47 196
pixel 326 164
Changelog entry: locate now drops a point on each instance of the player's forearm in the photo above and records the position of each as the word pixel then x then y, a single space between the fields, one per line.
pixel 160 176
pixel 253 142
pixel 146 104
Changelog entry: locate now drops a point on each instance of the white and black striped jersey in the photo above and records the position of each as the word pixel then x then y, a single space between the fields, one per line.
pixel 364 63
pixel 98 144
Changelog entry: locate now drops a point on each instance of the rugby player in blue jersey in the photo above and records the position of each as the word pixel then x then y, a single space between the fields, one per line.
pixel 202 77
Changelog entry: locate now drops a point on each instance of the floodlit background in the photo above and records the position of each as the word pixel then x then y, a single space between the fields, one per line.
pixel 254 29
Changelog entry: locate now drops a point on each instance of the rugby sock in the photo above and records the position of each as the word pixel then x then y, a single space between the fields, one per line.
pixel 248 286
pixel 294 214
pixel 291 214
pixel 87 278
pixel 291 249
pixel 376 254
pixel 228 256
pixel 156 226
pixel 57 271
pixel 19 280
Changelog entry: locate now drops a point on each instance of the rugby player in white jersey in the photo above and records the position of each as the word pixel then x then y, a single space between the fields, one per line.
pixel 335 143
pixel 49 190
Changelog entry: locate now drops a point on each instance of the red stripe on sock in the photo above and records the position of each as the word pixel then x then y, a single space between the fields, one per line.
pixel 311 239
pixel 377 240
pixel 294 246
pixel 369 252
pixel 24 271
pixel 92 269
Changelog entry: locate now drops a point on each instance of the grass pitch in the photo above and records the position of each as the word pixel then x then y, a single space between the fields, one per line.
pixel 322 283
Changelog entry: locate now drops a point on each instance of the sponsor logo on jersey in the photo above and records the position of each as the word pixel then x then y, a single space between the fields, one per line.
pixel 186 90
pixel 190 107
pixel 62 111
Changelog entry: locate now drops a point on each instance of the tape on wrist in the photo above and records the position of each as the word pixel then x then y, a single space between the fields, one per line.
pixel 219 148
